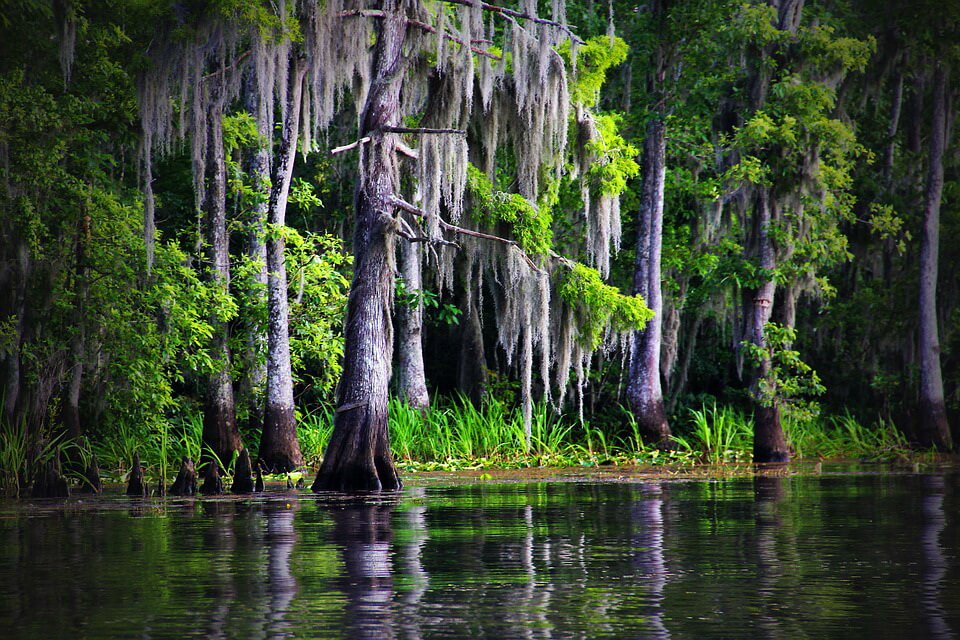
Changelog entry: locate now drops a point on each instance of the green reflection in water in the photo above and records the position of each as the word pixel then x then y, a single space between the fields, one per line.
pixel 857 555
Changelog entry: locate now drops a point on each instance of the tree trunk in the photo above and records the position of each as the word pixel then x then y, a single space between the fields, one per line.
pixel 219 421
pixel 70 398
pixel 11 357
pixel 769 442
pixel 279 447
pixel 411 379
pixel 358 456
pixel 644 389
pixel 258 169
pixel 933 429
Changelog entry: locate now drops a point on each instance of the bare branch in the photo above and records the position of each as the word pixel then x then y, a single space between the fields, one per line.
pixel 233 65
pixel 352 145
pixel 363 13
pixel 420 130
pixel 407 151
pixel 400 203
pixel 452 228
pixel 519 15
pixel 431 29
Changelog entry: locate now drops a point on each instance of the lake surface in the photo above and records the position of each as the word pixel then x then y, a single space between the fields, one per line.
pixel 871 555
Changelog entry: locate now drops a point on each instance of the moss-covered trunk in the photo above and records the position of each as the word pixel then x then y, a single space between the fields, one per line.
pixel 358 456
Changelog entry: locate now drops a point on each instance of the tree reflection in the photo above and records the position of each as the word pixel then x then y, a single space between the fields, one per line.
pixel 282 586
pixel 768 493
pixel 650 557
pixel 934 560
pixel 362 532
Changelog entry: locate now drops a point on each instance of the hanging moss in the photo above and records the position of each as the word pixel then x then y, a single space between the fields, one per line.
pixel 531 225
pixel 599 305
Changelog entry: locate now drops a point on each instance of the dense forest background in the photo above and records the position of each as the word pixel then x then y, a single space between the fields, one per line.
pixel 183 188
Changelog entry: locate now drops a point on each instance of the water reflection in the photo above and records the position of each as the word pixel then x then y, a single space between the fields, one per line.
pixel 650 556
pixel 768 493
pixel 282 585
pixel 935 562
pixel 362 533
pixel 867 556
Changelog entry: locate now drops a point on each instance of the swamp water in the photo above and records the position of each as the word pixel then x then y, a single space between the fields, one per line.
pixel 872 555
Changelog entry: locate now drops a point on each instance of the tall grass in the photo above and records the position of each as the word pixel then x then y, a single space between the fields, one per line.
pixel 717 434
pixel 844 436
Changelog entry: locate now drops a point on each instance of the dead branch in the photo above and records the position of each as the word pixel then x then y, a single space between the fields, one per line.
pixel 452 228
pixel 477 50
pixel 519 15
pixel 352 145
pixel 422 131
pixel 407 151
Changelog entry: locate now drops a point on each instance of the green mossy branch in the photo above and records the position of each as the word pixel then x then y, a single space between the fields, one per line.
pixel 530 224
pixel 594 58
pixel 599 305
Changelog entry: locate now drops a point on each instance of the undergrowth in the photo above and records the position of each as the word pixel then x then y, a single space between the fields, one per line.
pixel 456 435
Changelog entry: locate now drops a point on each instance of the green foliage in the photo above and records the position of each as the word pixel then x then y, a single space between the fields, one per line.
pixel 599 305
pixel 530 225
pixel 614 164
pixel 446 313
pixel 792 381
pixel 318 294
pixel 594 58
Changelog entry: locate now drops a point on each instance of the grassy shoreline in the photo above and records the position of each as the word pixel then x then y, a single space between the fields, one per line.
pixel 458 437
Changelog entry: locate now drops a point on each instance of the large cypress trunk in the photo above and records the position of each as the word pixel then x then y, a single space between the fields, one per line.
pixel 358 456
pixel 219 421
pixel 279 447
pixel 933 429
pixel 411 379
pixel 769 441
pixel 644 389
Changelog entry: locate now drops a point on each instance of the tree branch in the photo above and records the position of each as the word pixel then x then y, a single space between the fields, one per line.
pixel 363 13
pixel 452 228
pixel 407 151
pixel 352 145
pixel 477 50
pixel 420 130
pixel 519 15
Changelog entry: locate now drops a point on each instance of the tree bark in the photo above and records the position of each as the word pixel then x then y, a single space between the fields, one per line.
pixel 933 428
pixel 70 397
pixel 279 447
pixel 358 456
pixel 644 390
pixel 258 170
pixel 219 421
pixel 411 379
pixel 769 441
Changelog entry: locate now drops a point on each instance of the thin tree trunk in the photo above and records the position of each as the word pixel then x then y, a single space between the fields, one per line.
pixel 933 429
pixel 12 364
pixel 889 152
pixel 279 447
pixel 769 441
pixel 258 169
pixel 358 456
pixel 70 399
pixel 219 420
pixel 644 389
pixel 411 379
